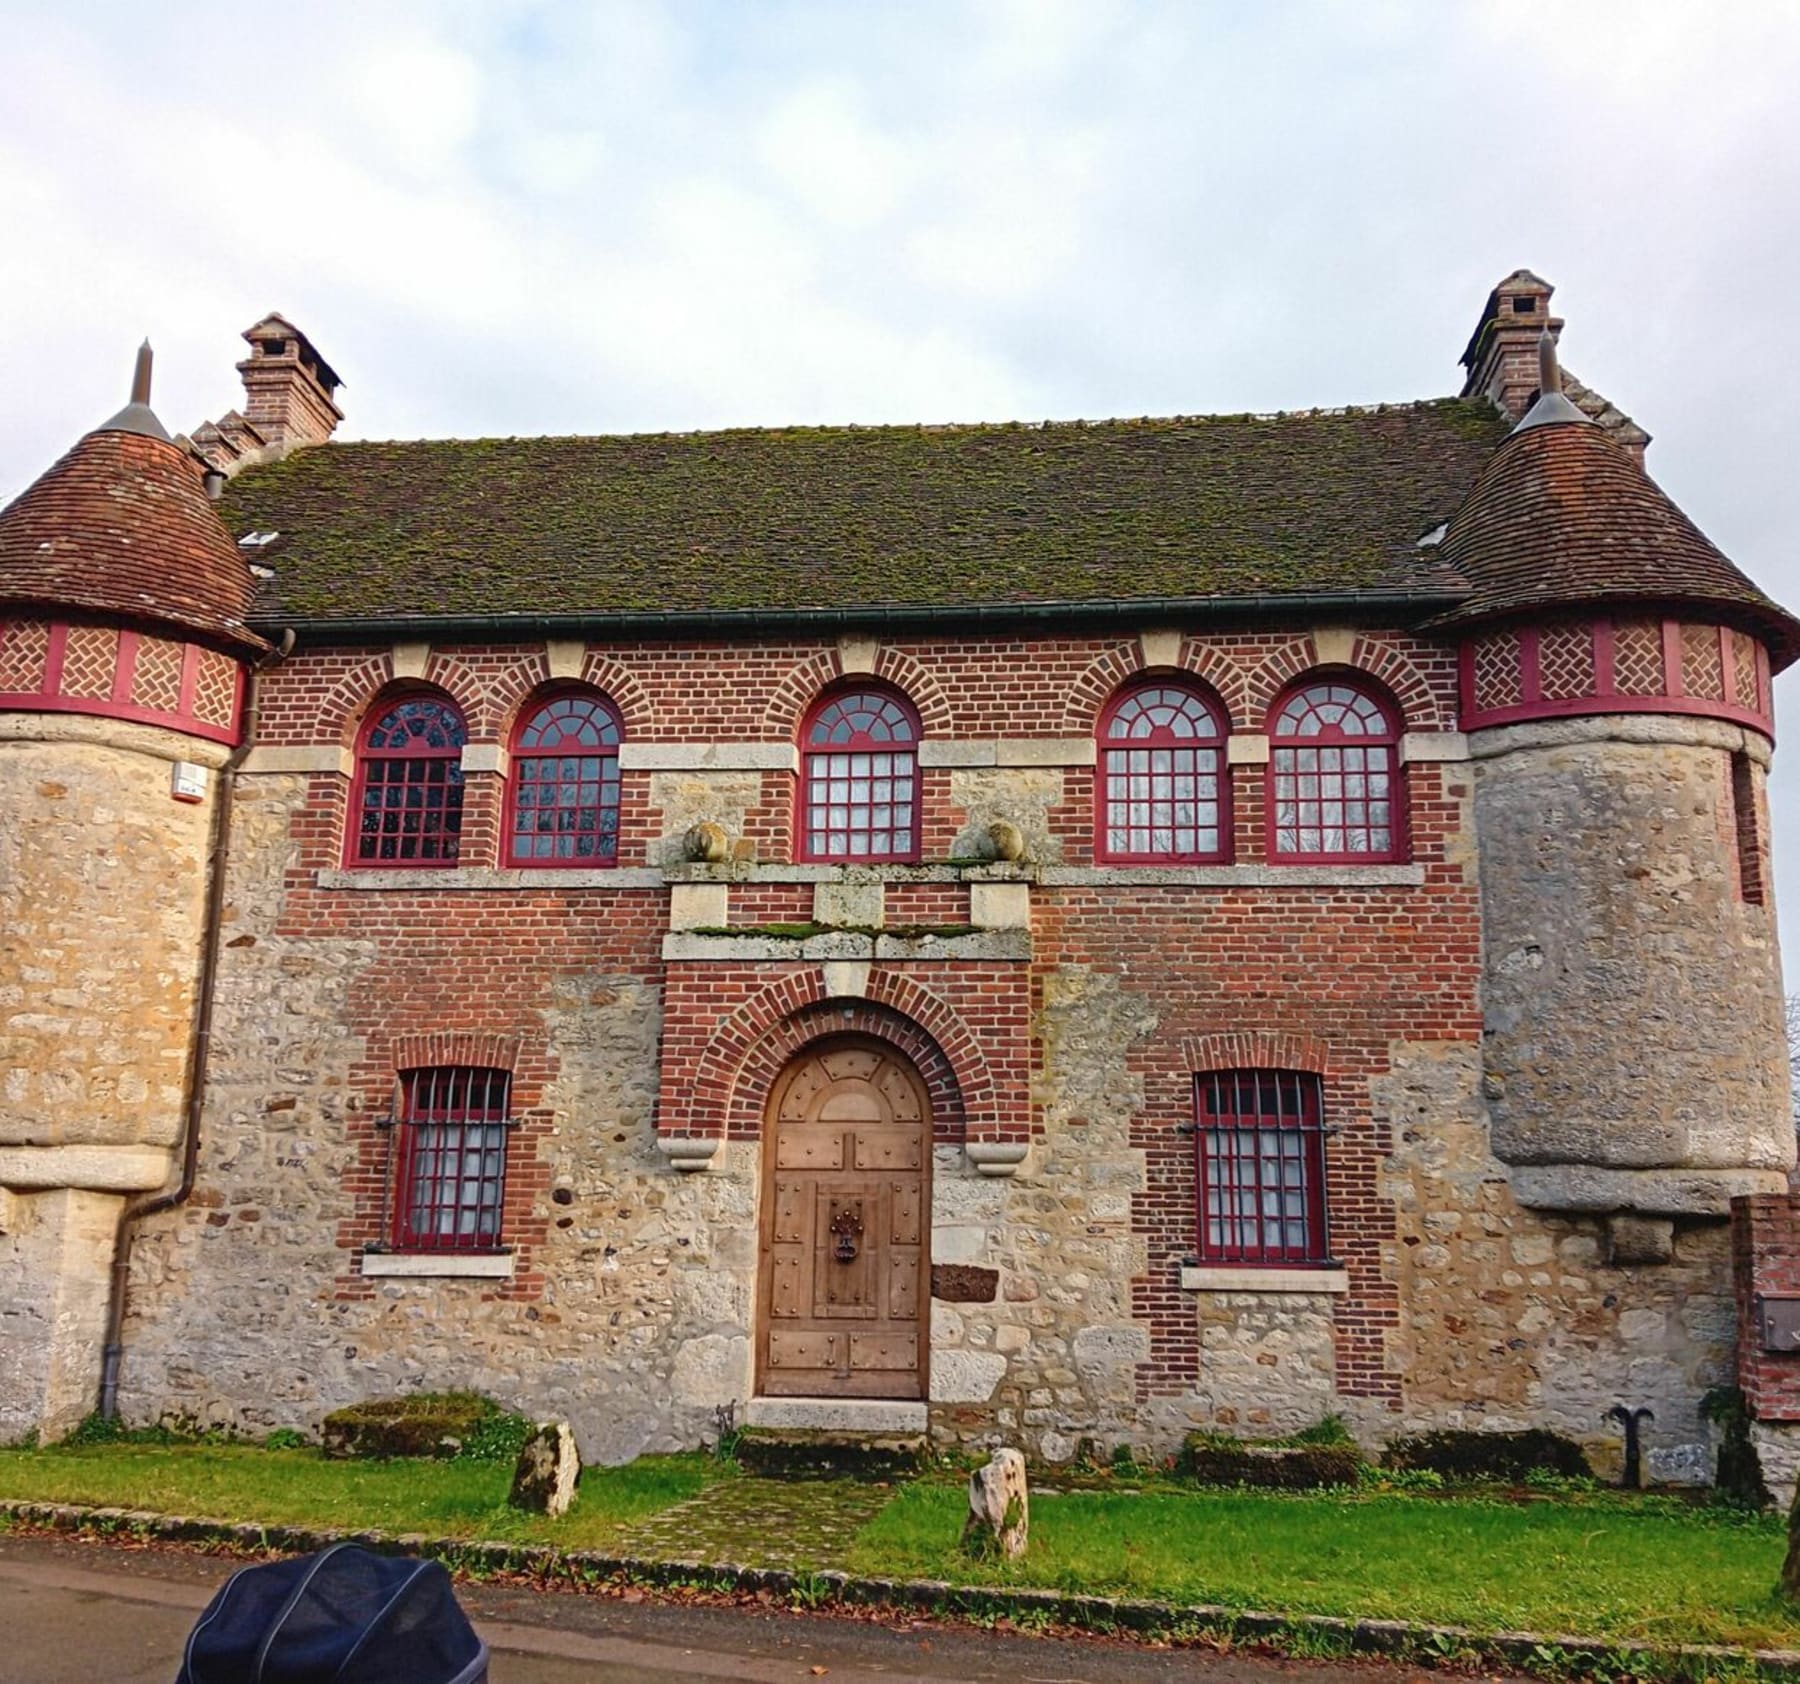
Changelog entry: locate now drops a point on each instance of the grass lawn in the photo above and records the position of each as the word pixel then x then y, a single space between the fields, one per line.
pixel 1655 1571
pixel 301 1488
pixel 1601 1566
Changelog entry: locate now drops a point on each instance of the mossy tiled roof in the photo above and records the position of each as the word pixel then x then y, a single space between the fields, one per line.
pixel 933 518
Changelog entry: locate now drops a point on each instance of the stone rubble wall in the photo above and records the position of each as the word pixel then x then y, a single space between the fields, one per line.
pixel 1615 922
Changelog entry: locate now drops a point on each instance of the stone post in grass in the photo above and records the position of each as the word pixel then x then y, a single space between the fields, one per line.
pixel 544 1480
pixel 999 1511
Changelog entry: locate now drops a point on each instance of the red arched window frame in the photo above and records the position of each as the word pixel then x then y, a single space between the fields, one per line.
pixel 407 799
pixel 562 801
pixel 859 779
pixel 1336 792
pixel 1162 790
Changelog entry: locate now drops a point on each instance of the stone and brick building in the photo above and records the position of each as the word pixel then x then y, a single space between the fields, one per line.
pixel 1029 933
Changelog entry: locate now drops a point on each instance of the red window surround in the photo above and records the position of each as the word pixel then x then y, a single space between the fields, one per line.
pixel 1260 1151
pixel 450 1174
pixel 1335 789
pixel 1163 794
pixel 859 782
pixel 406 804
pixel 563 800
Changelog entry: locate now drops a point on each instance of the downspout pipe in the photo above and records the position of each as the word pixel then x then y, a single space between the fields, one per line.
pixel 218 856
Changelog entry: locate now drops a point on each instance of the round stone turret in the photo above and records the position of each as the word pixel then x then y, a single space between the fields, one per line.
pixel 1615 685
pixel 123 653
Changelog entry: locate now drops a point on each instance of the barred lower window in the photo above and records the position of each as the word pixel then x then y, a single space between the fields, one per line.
pixel 1162 784
pixel 564 799
pixel 408 795
pixel 1261 1166
pixel 1334 790
pixel 859 796
pixel 450 1183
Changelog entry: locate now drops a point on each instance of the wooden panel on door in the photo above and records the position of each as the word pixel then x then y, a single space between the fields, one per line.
pixel 802 1147
pixel 888 1148
pixel 905 1203
pixel 883 1351
pixel 903 1283
pixel 788 1223
pixel 787 1286
pixel 805 1348
pixel 845 1219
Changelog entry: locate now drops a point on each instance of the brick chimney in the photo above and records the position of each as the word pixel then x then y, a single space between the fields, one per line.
pixel 1502 358
pixel 288 388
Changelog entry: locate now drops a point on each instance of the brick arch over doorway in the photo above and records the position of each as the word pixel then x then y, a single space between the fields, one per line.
pixel 723 1091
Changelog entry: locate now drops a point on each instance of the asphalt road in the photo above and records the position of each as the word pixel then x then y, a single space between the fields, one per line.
pixel 81 1613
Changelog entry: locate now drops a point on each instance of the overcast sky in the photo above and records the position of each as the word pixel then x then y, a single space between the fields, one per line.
pixel 538 216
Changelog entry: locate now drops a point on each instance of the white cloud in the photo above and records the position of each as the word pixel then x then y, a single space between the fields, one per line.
pixel 550 215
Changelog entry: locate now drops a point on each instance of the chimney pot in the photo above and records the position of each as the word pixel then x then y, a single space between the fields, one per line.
pixel 289 389
pixel 1502 356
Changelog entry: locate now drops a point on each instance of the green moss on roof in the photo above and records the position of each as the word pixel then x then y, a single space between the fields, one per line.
pixel 844 517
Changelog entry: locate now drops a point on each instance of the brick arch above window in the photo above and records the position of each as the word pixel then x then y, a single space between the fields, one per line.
pixel 346 705
pixel 1097 683
pixel 1273 675
pixel 463 686
pixel 1109 672
pixel 1417 706
pixel 1259 1049
pixel 797 695
pixel 454 1046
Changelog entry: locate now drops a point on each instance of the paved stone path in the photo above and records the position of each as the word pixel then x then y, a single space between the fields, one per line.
pixel 796 1524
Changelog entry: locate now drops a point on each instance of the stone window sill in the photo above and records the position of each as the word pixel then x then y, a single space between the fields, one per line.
pixel 426 879
pixel 445 1265
pixel 1224 1279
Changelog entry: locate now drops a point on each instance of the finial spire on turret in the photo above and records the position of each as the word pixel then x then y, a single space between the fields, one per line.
pixel 1549 375
pixel 137 416
pixel 1551 407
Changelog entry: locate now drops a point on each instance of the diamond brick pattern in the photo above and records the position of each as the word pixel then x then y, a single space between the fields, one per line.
pixel 215 688
pixel 1702 671
pixel 24 648
pixel 90 659
pixel 1497 671
pixel 1566 662
pixel 1637 658
pixel 156 679
pixel 1743 670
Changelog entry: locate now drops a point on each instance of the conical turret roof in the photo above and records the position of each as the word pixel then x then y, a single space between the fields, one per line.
pixel 122 527
pixel 1563 516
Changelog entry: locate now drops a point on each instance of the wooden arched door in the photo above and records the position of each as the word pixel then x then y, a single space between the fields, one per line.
pixel 844 1287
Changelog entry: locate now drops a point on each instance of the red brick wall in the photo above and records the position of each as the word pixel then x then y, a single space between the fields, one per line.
pixel 1765 1260
pixel 1356 969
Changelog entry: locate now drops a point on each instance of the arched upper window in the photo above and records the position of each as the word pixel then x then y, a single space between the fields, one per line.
pixel 859 791
pixel 563 806
pixel 1162 790
pixel 407 804
pixel 1334 776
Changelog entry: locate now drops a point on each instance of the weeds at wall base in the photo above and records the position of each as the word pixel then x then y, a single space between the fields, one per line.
pixel 1299 1636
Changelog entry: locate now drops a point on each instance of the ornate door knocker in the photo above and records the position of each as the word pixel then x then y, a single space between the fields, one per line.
pixel 846 1228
